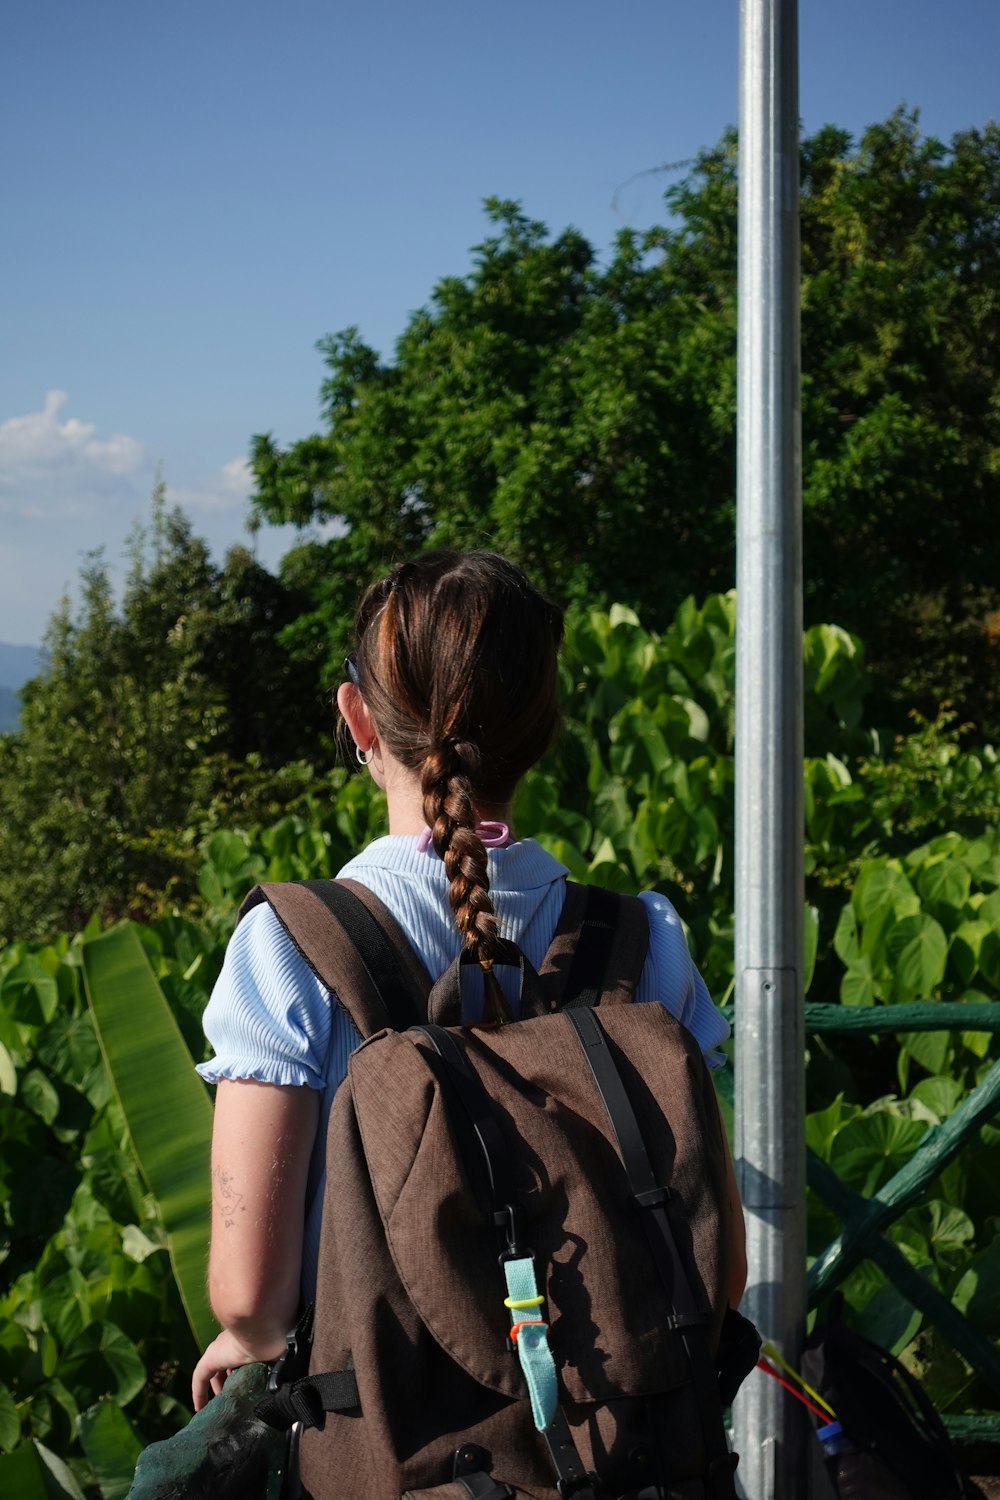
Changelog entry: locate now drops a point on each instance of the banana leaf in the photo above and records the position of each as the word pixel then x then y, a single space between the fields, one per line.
pixel 33 1472
pixel 165 1103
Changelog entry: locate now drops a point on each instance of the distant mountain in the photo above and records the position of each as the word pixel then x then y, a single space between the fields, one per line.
pixel 9 709
pixel 17 664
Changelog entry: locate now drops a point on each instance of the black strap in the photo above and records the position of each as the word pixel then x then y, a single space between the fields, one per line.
pixel 573 1478
pixel 687 1317
pixel 646 1191
pixel 306 1400
pixel 374 949
pixel 465 1086
pixel 592 952
pixel 482 1486
pixel 475 1102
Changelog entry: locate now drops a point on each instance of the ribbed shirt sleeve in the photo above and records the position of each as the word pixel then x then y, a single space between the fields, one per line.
pixel 670 976
pixel 270 1018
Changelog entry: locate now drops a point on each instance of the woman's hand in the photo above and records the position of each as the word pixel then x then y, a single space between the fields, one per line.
pixel 223 1355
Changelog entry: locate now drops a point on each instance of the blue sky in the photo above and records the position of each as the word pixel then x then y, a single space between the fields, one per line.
pixel 195 193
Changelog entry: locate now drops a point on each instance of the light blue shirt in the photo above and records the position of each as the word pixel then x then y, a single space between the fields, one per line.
pixel 271 1019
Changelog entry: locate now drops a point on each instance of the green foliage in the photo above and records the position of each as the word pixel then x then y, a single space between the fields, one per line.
pixel 95 1349
pixel 173 711
pixel 580 416
pixel 169 1125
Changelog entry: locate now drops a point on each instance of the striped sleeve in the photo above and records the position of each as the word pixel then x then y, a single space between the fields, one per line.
pixel 670 976
pixel 269 1017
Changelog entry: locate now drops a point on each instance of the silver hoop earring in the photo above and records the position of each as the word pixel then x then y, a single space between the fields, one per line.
pixel 364 756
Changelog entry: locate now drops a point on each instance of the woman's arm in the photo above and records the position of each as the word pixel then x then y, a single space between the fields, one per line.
pixel 262 1141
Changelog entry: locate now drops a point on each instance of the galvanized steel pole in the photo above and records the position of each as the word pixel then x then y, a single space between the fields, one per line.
pixel 770 1147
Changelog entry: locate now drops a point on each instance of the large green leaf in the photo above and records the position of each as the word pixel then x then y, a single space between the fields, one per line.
pixel 165 1104
pixel 917 949
pixel 109 1441
pixel 857 986
pixel 945 884
pixel 33 1472
pixel 872 1147
pixel 103 1361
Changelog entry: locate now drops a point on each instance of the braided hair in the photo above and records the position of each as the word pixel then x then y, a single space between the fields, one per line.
pixel 457 661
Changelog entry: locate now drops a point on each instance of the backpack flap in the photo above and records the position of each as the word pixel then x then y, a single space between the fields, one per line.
pixel 606 1307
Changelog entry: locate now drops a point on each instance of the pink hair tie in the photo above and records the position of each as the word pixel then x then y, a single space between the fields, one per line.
pixel 493 835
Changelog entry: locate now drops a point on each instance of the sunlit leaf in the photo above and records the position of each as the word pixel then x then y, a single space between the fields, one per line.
pixel 929 1048
pixel 166 1106
pixel 941 1095
pixel 8 1072
pixel 946 883
pixel 916 949
pixel 822 1125
pixel 880 886
pixel 857 986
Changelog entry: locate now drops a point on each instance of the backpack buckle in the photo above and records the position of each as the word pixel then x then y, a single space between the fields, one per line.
pixel 505 1220
pixel 653 1197
pixel 293 1361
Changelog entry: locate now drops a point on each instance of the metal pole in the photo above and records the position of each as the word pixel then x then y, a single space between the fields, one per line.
pixel 770 1119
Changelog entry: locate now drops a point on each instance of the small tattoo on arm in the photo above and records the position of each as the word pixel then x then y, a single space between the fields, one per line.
pixel 228 1202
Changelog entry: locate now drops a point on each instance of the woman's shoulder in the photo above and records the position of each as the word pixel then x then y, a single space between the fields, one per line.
pixel 671 977
pixel 260 950
pixel 269 1015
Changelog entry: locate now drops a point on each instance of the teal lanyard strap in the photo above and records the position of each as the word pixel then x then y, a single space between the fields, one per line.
pixel 530 1333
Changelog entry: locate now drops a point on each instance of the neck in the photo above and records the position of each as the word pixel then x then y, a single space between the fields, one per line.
pixel 406 807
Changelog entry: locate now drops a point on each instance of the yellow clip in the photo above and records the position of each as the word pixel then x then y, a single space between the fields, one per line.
pixel 515 1306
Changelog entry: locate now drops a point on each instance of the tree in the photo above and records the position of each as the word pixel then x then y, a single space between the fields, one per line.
pixel 582 418
pixel 148 721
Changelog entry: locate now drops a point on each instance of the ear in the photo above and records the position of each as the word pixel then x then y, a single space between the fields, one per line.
pixel 356 716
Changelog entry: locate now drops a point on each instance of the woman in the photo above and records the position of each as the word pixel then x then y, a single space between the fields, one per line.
pixel 451 698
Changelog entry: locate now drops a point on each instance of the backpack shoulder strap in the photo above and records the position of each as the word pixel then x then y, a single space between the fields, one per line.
pixel 598 951
pixel 354 945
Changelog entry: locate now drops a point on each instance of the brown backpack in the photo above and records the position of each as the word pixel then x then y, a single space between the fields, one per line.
pixel 575 1155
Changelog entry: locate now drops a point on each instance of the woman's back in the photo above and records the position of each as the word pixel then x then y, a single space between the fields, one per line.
pixel 451 696
pixel 271 1019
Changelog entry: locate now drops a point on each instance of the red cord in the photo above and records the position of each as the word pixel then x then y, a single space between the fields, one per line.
pixel 824 1416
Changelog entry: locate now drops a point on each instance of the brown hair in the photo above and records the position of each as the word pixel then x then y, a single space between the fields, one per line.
pixel 457 662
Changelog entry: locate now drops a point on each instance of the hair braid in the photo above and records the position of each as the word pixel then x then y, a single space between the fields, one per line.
pixel 457 663
pixel 449 811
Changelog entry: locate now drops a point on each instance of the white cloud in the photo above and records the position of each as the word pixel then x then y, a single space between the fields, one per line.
pixel 67 488
pixel 53 469
pixel 229 490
